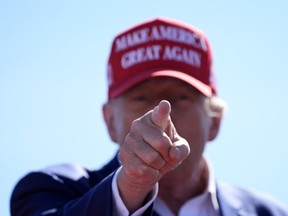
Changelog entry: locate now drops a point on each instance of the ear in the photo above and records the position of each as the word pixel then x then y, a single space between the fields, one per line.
pixel 108 116
pixel 214 127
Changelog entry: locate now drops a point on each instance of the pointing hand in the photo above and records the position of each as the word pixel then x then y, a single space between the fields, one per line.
pixel 151 149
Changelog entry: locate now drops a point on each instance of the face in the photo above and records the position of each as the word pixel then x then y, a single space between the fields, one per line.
pixel 188 111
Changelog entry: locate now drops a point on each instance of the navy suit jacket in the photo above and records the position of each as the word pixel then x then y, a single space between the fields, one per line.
pixel 75 191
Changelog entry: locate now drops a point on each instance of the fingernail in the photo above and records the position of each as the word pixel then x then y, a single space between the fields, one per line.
pixel 175 153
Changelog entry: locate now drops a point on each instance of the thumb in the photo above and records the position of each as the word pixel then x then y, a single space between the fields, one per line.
pixel 161 114
pixel 179 150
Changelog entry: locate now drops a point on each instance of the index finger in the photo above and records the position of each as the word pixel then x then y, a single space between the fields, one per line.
pixel 161 114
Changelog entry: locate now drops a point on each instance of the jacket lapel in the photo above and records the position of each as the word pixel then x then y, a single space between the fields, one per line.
pixel 229 202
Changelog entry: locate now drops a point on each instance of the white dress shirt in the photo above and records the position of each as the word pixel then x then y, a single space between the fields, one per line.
pixel 205 204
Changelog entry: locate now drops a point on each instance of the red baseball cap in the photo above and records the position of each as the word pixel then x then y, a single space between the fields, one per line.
pixel 160 47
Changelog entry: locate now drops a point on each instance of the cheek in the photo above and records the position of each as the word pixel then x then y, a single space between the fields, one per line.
pixel 125 120
pixel 123 126
pixel 193 127
pixel 121 130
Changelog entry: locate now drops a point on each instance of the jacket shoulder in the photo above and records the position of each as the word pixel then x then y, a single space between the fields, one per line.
pixel 64 189
pixel 250 200
pixel 69 171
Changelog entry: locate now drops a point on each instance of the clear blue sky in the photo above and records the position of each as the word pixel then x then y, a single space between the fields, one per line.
pixel 52 84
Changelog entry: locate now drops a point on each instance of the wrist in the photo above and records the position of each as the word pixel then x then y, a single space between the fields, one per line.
pixel 133 195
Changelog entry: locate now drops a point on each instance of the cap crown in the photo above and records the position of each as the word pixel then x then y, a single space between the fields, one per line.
pixel 160 47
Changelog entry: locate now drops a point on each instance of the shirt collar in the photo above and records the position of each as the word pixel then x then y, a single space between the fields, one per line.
pixel 210 193
pixel 211 187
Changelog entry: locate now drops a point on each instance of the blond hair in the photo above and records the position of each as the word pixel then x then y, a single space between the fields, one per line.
pixel 216 107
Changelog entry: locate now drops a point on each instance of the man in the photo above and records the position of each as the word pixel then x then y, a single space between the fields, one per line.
pixel 162 109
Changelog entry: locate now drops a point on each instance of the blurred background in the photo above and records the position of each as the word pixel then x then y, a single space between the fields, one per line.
pixel 53 58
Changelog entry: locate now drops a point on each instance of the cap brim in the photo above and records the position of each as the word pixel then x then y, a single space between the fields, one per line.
pixel 200 86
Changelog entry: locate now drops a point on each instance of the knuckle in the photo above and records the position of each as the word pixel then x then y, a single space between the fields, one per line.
pixel 152 157
pixel 130 138
pixel 136 125
pixel 122 155
pixel 162 141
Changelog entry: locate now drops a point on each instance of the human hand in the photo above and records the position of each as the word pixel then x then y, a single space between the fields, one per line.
pixel 151 149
